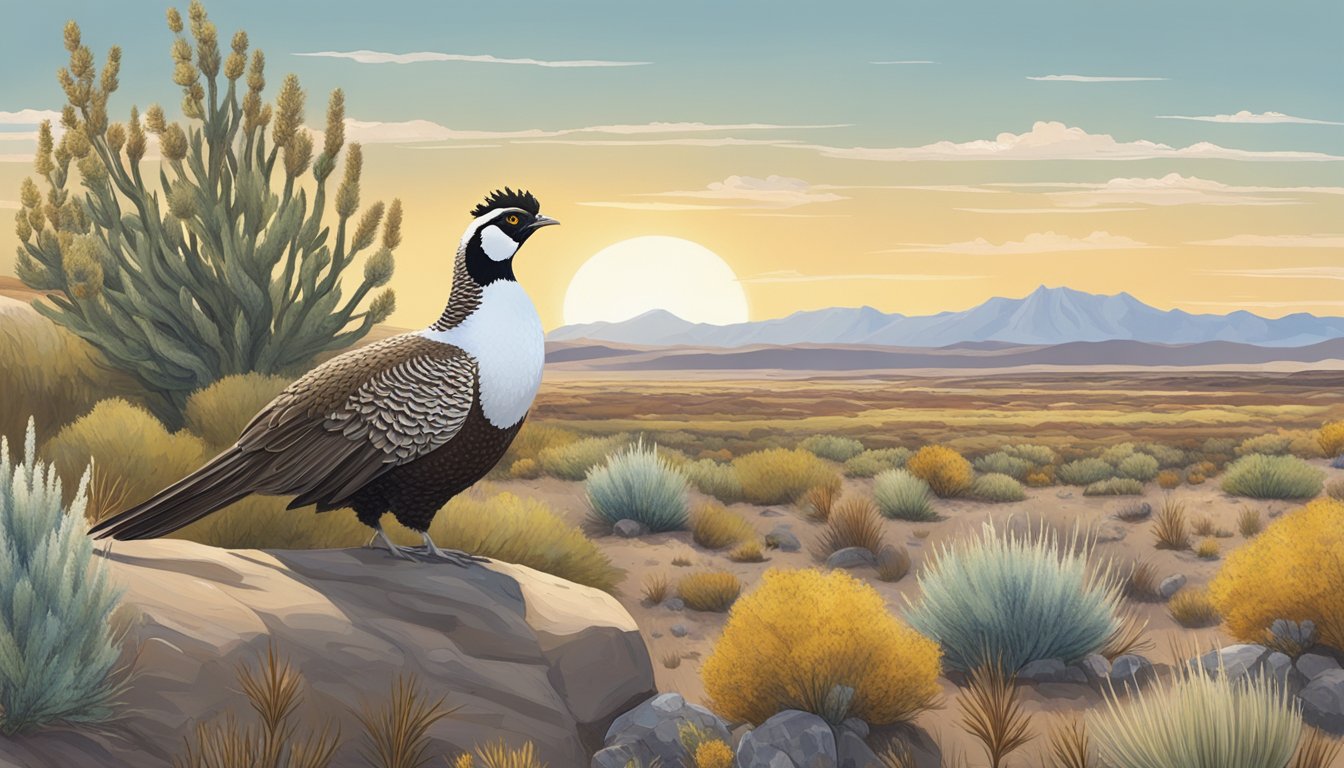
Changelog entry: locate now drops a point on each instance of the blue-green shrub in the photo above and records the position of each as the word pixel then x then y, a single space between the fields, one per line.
pixel 1115 486
pixel 833 447
pixel 638 484
pixel 1039 455
pixel 900 495
pixel 998 488
pixel 1014 599
pixel 1003 463
pixel 1272 477
pixel 56 645
pixel 717 480
pixel 874 462
pixel 1085 472
pixel 1138 466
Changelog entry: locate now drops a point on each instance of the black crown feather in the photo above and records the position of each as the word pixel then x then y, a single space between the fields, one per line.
pixel 507 198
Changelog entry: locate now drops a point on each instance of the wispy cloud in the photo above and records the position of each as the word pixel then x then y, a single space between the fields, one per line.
pixel 676 142
pixel 641 206
pixel 417 57
pixel 1052 211
pixel 1057 141
pixel 1038 242
pixel 1253 118
pixel 1176 189
pixel 420 131
pixel 1277 241
pixel 1291 273
pixel 736 193
pixel 29 117
pixel 794 276
pixel 908 61
pixel 1092 79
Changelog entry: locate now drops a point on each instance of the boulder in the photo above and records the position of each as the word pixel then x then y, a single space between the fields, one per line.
pixel 1096 669
pixel 1323 701
pixel 1338 463
pixel 851 557
pixel 853 752
pixel 1129 670
pixel 629 529
pixel 1236 661
pixel 790 739
pixel 1170 586
pixel 782 538
pixel 1313 664
pixel 652 731
pixel 521 655
pixel 1044 671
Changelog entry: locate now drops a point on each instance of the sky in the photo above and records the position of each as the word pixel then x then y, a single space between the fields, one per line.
pixel 915 157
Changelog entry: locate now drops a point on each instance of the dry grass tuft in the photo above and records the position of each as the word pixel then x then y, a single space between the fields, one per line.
pixel 1249 522
pixel 1208 549
pixel 991 710
pixel 709 591
pixel 1141 581
pixel 947 472
pixel 893 563
pixel 854 523
pixel 1168 479
pixel 1316 749
pixel 498 755
pixel 1070 746
pixel 1170 528
pixel 681 561
pixel 1192 609
pixel 1128 636
pixel 397 732
pixel 672 660
pixel 714 526
pixel 749 551
pixel 819 501
pixel 656 587
pixel 1204 526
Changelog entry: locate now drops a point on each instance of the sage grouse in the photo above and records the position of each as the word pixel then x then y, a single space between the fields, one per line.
pixel 398 426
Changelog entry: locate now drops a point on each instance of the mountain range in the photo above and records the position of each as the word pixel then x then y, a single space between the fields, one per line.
pixel 1046 316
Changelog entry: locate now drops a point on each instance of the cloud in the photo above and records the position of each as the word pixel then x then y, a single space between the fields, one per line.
pixel 1176 189
pixel 413 131
pixel 910 61
pixel 634 206
pixel 1291 273
pixel 1277 241
pixel 677 142
pixel 1039 242
pixel 794 276
pixel 416 57
pixel 736 193
pixel 1253 118
pixel 1092 79
pixel 1049 140
pixel 1052 211
pixel 29 117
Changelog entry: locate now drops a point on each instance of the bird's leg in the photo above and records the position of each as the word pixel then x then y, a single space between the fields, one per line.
pixel 380 536
pixel 456 557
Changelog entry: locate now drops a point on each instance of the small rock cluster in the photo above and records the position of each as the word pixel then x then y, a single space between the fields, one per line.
pixel 1095 670
pixel 1316 677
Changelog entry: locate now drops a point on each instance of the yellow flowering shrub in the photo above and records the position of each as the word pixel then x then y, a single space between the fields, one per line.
pixel 947 472
pixel 1331 439
pixel 713 754
pixel 780 475
pixel 803 636
pixel 1293 570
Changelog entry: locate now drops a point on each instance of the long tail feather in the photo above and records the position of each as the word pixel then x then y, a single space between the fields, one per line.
pixel 222 481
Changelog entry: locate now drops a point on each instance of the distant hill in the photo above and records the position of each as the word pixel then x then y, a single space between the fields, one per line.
pixel 1047 316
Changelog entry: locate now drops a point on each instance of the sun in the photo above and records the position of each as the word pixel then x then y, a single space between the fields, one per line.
pixel 634 276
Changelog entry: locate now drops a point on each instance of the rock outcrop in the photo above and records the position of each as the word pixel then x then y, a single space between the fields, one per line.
pixel 520 654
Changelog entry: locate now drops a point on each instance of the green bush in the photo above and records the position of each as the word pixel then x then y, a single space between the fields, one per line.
pixel 571 461
pixel 833 447
pixel 218 413
pixel 780 476
pixel 1197 721
pixel 1139 466
pixel 125 442
pixel 57 646
pixel 997 488
pixel 1167 457
pixel 1003 463
pixel 902 496
pixel 717 480
pixel 1272 477
pixel 134 259
pixel 637 484
pixel 1116 486
pixel 1038 455
pixel 1085 472
pixel 1013 599
pixel 1278 444
pixel 874 462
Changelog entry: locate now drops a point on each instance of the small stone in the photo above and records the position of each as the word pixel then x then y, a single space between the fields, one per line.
pixel 851 557
pixel 1311 665
pixel 1110 532
pixel 674 604
pixel 1323 701
pixel 1096 668
pixel 679 630
pixel 1064 494
pixel 652 731
pixel 1170 586
pixel 1130 669
pixel 783 539
pixel 790 739
pixel 771 512
pixel 1279 668
pixel 1236 661
pixel 1338 463
pixel 629 529
pixel 1044 671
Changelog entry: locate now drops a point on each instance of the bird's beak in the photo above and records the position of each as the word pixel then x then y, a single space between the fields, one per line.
pixel 541 221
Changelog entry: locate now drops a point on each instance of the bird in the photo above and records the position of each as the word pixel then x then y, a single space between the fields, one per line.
pixel 401 425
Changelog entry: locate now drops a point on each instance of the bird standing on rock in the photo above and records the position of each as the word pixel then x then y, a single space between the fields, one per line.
pixel 400 426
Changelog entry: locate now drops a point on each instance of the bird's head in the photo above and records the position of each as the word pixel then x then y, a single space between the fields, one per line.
pixel 500 225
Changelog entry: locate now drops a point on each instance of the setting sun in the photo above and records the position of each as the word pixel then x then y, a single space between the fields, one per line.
pixel 634 276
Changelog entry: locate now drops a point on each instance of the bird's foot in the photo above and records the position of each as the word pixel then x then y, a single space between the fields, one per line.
pixel 380 537
pixel 430 551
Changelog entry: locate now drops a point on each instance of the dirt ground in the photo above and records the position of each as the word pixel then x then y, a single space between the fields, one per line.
pixel 1121 542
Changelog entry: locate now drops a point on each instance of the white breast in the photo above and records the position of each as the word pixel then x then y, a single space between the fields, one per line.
pixel 504 336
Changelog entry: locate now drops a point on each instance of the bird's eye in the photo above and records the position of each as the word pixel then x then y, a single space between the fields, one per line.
pixel 513 218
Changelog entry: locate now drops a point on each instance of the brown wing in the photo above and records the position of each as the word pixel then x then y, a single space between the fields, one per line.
pixel 358 415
